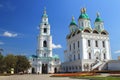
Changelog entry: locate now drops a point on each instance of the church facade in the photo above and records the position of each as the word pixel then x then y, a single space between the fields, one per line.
pixel 87 48
pixel 44 61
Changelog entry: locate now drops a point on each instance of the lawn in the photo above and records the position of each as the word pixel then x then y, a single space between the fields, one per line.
pixel 98 78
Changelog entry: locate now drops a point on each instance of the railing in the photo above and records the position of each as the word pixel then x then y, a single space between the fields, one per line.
pixel 97 64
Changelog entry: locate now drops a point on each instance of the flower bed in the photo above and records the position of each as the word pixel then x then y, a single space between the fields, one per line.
pixel 72 74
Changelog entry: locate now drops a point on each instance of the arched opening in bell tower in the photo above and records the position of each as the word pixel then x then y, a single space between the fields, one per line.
pixel 44 43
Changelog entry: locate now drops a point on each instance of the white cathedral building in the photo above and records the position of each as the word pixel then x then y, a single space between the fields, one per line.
pixel 87 48
pixel 44 61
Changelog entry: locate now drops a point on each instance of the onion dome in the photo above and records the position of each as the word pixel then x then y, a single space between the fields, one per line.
pixel 73 22
pixel 83 14
pixel 98 19
pixel 55 57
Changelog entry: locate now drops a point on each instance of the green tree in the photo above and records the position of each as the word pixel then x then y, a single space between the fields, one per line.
pixel 10 62
pixel 1 63
pixel 22 64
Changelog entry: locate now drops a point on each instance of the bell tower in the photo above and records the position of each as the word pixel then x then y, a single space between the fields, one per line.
pixel 44 48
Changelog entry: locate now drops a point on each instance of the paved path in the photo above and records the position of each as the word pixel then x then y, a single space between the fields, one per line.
pixel 34 77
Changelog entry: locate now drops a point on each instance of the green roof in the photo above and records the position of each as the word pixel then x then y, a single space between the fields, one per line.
pixel 98 19
pixel 44 15
pixel 83 16
pixel 55 57
pixel 73 23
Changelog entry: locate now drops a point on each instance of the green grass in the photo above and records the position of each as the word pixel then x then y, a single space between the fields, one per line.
pixel 98 78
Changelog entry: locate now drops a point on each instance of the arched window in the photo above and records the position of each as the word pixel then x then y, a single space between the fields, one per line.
pixel 45 30
pixel 74 57
pixel 89 55
pixel 78 56
pixel 104 56
pixel 87 31
pixel 82 24
pixel 95 32
pixel 44 43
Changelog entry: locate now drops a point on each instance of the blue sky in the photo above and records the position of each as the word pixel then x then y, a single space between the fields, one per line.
pixel 19 20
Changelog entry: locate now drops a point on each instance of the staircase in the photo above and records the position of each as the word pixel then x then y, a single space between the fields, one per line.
pixel 97 64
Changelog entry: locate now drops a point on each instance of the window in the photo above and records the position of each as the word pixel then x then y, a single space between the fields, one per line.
pixel 44 43
pixel 45 30
pixel 70 47
pixel 78 56
pixel 73 45
pixel 89 55
pixel 45 55
pixel 104 56
pixel 103 43
pixel 78 44
pixel 76 67
pixel 69 68
pixel 96 43
pixel 82 24
pixel 89 43
pixel 74 57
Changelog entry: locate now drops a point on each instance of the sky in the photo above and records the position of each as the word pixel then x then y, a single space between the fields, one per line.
pixel 19 21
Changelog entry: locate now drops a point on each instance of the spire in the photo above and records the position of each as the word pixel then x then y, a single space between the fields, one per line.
pixel 73 21
pixel 98 14
pixel 44 10
pixel 45 13
pixel 73 18
pixel 83 14
pixel 98 18
pixel 84 10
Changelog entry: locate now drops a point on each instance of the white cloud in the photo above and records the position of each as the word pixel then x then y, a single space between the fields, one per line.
pixel 118 51
pixel 56 46
pixel 9 34
pixel 1 43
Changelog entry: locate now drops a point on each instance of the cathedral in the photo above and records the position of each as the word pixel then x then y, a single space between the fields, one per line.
pixel 44 62
pixel 88 48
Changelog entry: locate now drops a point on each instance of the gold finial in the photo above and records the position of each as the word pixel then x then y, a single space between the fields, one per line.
pixel 98 14
pixel 73 18
pixel 84 10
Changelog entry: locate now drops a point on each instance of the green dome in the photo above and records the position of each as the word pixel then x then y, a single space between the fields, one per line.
pixel 55 57
pixel 83 16
pixel 87 16
pixel 44 15
pixel 73 23
pixel 98 19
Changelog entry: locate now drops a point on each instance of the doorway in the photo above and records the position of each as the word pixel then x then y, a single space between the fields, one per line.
pixel 33 70
pixel 55 70
pixel 44 68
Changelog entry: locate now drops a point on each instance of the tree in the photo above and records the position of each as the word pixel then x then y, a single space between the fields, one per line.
pixel 10 62
pixel 1 63
pixel 22 64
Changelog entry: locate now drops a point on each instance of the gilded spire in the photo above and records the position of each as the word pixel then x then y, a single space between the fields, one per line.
pixel 84 10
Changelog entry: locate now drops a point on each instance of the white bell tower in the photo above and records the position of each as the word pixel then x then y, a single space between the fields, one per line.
pixel 44 48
